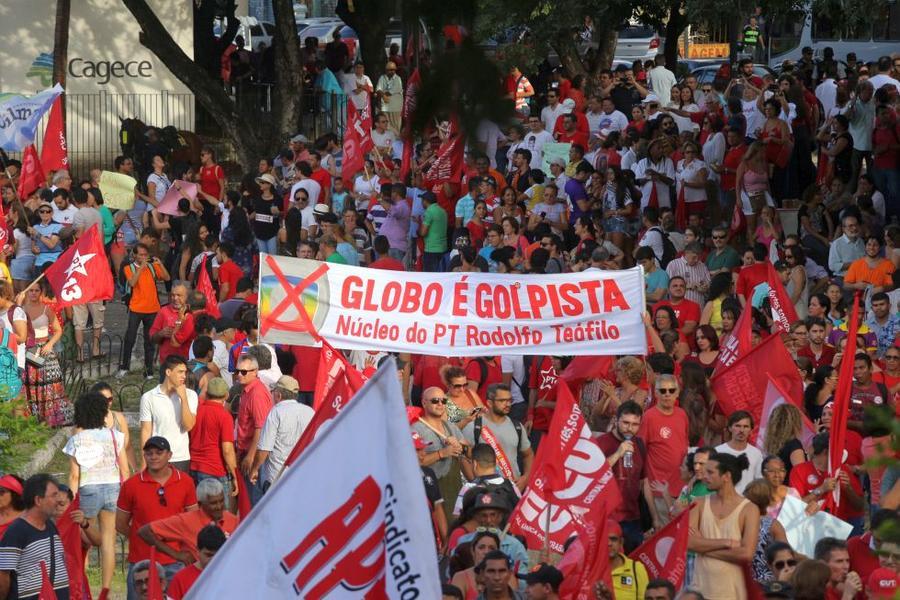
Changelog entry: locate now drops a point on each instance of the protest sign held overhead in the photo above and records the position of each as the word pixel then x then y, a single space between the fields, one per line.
pixel 450 314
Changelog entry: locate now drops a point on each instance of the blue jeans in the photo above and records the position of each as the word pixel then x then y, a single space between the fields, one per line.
pixel 255 490
pixel 169 570
pixel 96 497
pixel 433 262
pixel 269 246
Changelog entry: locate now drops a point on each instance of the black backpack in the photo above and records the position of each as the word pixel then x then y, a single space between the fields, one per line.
pixel 478 425
pixel 669 251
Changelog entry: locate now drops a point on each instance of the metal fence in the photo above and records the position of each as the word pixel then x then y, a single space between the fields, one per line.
pixel 92 124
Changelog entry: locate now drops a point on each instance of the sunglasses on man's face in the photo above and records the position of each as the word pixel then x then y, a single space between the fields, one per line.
pixel 243 371
pixel 438 401
pixel 780 564
pixel 667 390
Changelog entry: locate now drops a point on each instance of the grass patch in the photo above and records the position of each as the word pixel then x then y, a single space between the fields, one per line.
pixel 19 436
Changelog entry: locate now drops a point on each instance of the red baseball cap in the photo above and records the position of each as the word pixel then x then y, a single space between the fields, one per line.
pixel 11 483
pixel 883 583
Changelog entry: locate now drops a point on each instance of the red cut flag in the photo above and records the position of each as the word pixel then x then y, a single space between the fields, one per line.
pixel 584 368
pixel 739 343
pixel 47 592
pixel 205 287
pixel 54 154
pixel 783 312
pixel 336 383
pixel 31 177
pixel 590 563
pixel 357 140
pixel 841 408
pixel 742 386
pixel 154 589
pixel 775 396
pixel 665 554
pixel 82 273
pixel 570 478
pixel 448 160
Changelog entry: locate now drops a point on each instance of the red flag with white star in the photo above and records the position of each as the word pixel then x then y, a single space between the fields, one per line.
pixel 82 273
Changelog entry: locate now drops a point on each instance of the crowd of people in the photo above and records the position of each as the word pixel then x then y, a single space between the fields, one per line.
pixel 689 181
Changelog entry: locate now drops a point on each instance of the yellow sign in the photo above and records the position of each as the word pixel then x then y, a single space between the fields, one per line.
pixel 705 50
pixel 117 190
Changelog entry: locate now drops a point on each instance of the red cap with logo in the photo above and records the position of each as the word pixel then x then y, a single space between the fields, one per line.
pixel 11 483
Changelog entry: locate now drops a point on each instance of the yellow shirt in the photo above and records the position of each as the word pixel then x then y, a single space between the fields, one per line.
pixel 4 272
pixel 629 580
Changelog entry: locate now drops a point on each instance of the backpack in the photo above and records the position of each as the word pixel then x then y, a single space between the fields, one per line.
pixel 10 381
pixel 126 297
pixel 669 252
pixel 196 372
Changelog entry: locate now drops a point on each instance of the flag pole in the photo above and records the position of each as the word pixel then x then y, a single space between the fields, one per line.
pixel 546 551
pixel 33 283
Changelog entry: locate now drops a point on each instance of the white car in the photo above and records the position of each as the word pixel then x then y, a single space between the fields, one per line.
pixel 257 34
pixel 638 42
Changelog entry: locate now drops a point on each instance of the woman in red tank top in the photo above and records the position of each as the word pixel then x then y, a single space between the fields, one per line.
pixel 775 135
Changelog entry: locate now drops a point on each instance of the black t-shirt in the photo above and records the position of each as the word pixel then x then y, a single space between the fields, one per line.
pixel 785 455
pixel 336 55
pixel 23 549
pixel 625 98
pixel 265 225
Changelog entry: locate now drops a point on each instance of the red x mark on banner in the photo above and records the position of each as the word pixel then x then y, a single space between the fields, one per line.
pixel 304 323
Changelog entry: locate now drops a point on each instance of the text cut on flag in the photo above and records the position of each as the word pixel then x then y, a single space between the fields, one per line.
pixel 82 273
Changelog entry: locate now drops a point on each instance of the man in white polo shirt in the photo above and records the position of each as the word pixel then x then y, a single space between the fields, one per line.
pixel 170 410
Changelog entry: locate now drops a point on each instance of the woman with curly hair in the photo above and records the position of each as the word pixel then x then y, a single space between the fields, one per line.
pixel 783 433
pixel 698 402
pixel 462 403
pixel 97 466
pixel 629 372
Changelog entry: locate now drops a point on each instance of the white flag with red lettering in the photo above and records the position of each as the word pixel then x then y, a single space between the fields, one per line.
pixel 348 520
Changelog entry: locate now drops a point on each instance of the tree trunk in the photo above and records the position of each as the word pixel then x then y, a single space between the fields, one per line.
pixel 675 26
pixel 607 36
pixel 369 19
pixel 289 75
pixel 61 45
pixel 248 143
pixel 569 57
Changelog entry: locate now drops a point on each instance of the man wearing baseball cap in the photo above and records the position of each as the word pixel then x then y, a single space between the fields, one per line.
pixel 543 582
pixel 629 577
pixel 883 584
pixel 284 425
pixel 491 510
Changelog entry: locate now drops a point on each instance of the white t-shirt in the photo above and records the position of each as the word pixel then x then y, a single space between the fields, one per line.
pixel 359 98
pixel 312 187
pixel 95 452
pixel 163 411
pixel 367 189
pixel 754 456
pixel 64 217
pixel 549 114
pixel 690 172
pixel 714 152
pixel 882 79
pixel 753 116
pixel 383 140
pixel 826 92
pixel 534 142
pixel 684 123
pixel 662 81
pixel 489 134
pixel 664 167
pixel 614 121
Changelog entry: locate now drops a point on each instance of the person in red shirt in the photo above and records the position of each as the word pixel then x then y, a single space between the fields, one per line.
pixel 157 492
pixel 212 440
pixel 863 548
pixel 382 247
pixel 320 176
pixel 665 431
pixel 817 351
pixel 482 372
pixel 733 157
pixel 209 541
pixel 173 327
pixel 571 133
pixel 543 380
pixel 229 272
pixel 430 371
pixel 305 371
pixel 811 481
pixel 212 188
pixel 256 402
pixel 843 583
pixel 752 274
pixel 686 311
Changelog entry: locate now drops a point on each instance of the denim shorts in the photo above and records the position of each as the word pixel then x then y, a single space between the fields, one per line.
pixel 615 225
pixel 96 497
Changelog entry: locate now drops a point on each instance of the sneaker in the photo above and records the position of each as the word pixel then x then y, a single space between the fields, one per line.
pixel 148 374
pixel 121 373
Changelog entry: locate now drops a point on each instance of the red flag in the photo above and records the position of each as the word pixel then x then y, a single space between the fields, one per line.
pixel 681 210
pixel 82 273
pixel 841 408
pixel 205 287
pixel 32 175
pixel 783 311
pixel 357 140
pixel 448 160
pixel 591 560
pixel 665 554
pixel 47 592
pixel 742 386
pixel 154 589
pixel 738 220
pixel 583 368
pixel 54 154
pixel 336 383
pixel 569 479
pixel 409 107
pixel 70 536
pixel 739 343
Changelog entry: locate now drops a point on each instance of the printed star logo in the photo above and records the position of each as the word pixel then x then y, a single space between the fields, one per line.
pixel 79 261
pixel 548 378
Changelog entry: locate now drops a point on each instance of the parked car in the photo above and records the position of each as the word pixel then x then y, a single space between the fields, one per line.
pixel 324 33
pixel 257 34
pixel 638 42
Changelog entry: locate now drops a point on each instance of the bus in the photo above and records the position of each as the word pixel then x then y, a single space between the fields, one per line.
pixel 789 33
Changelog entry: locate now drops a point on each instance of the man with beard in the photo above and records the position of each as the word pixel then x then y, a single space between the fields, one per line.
pixel 740 424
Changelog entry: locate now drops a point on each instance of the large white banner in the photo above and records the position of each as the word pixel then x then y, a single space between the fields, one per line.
pixel 803 530
pixel 349 519
pixel 20 115
pixel 451 314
